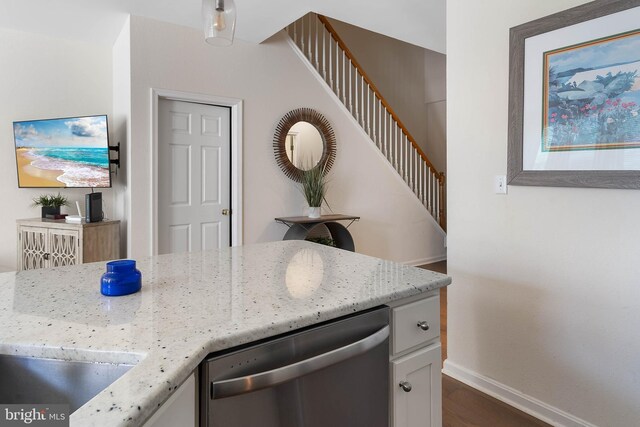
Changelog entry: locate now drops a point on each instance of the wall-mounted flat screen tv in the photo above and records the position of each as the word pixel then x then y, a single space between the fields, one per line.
pixel 69 152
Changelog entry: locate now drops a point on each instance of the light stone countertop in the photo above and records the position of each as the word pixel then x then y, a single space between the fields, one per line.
pixel 190 305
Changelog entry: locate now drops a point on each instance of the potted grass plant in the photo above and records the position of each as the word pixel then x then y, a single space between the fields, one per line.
pixel 314 187
pixel 50 204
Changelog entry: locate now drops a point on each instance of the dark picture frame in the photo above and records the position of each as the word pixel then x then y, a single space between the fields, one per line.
pixel 516 175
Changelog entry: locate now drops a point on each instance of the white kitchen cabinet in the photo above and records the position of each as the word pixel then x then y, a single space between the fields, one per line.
pixel 419 403
pixel 180 409
pixel 416 378
pixel 48 243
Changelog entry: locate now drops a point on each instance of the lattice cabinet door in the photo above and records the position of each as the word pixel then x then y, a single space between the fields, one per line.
pixel 32 248
pixel 64 247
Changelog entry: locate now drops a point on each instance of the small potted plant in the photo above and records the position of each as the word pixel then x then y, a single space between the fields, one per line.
pixel 50 204
pixel 314 187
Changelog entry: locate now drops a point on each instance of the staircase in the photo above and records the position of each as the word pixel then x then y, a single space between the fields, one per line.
pixel 319 43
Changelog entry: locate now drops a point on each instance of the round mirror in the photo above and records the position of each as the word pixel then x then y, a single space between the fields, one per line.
pixel 304 145
pixel 304 140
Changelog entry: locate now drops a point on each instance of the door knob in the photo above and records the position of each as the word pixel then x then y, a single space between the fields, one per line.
pixel 405 386
pixel 226 212
pixel 424 325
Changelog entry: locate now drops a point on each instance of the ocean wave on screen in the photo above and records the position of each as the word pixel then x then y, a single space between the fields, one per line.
pixel 75 174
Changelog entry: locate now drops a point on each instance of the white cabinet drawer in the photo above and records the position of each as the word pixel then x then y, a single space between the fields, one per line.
pixel 410 321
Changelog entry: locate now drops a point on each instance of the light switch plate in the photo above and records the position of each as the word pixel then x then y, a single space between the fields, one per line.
pixel 500 184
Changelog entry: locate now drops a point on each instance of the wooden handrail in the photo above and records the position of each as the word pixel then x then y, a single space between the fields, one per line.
pixel 365 77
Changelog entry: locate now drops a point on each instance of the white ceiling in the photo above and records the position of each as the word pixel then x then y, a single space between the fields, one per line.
pixel 421 22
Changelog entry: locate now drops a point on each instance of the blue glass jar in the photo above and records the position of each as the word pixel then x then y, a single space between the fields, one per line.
pixel 121 278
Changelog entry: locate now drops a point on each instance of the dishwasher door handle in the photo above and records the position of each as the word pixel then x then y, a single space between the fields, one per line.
pixel 250 383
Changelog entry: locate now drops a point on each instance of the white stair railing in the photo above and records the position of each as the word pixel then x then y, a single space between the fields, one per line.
pixel 334 62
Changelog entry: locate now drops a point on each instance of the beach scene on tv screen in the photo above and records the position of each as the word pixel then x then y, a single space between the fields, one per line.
pixel 63 152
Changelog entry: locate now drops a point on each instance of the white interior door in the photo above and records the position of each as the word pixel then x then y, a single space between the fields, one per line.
pixel 194 191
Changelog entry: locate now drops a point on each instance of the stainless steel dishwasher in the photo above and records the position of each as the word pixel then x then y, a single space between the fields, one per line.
pixel 333 374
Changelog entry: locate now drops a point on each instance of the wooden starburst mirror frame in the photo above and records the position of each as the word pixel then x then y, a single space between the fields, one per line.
pixel 282 130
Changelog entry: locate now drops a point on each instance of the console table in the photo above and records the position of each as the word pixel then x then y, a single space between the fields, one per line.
pixel 301 226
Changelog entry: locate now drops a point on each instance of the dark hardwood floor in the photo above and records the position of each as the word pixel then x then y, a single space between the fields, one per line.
pixel 464 406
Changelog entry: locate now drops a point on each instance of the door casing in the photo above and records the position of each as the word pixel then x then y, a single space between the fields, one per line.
pixel 236 157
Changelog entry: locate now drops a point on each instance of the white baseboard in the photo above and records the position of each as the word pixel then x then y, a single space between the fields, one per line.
pixel 513 397
pixel 424 261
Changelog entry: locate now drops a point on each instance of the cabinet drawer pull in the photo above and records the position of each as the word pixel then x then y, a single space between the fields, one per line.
pixel 424 325
pixel 405 386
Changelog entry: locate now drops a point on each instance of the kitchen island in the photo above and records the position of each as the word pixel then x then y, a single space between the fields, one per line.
pixel 190 305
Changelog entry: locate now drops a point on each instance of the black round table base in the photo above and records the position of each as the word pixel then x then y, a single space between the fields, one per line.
pixel 339 233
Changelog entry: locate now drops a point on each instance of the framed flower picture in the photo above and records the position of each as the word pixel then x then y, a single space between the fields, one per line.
pixel 574 98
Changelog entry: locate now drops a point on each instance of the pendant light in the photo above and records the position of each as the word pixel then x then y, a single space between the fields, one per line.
pixel 219 19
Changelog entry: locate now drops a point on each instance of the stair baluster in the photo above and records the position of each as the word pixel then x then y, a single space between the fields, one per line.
pixel 347 80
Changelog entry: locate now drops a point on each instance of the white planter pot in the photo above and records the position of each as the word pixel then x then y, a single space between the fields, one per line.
pixel 314 212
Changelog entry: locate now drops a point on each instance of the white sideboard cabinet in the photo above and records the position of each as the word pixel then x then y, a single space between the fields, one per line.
pixel 46 243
